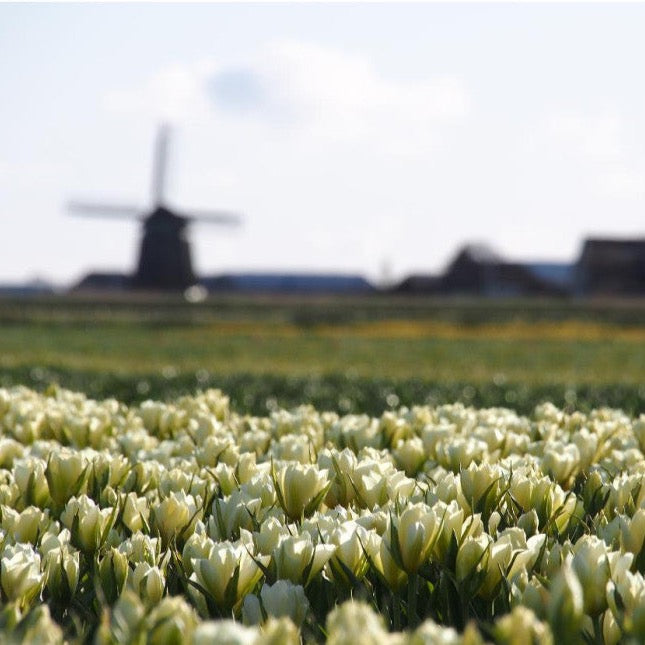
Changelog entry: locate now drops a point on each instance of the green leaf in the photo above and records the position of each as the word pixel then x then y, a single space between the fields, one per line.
pixel 316 500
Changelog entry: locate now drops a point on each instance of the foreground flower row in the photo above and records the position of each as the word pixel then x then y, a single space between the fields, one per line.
pixel 185 522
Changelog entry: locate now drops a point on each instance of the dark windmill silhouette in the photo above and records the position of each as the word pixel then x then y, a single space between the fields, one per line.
pixel 164 256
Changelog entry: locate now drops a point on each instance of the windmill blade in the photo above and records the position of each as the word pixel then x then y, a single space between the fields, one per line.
pixel 160 164
pixel 214 217
pixel 120 211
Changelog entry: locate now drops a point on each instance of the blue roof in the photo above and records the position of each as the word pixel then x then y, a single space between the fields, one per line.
pixel 288 282
pixel 556 273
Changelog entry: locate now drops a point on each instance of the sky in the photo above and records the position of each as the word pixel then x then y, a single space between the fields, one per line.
pixel 360 138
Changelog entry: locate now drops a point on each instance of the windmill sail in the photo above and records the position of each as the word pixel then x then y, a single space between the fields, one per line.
pixel 214 217
pixel 159 166
pixel 121 211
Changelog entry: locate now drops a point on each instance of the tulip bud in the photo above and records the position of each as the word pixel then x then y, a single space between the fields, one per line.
pixel 20 575
pixel 26 526
pixel 175 516
pixel 279 631
pixel 410 455
pixel 472 557
pixel 451 533
pixel 499 557
pixel 232 514
pixel 529 522
pixel 36 627
pixel 198 547
pixel 148 582
pixel 88 524
pixel 135 512
pixel 172 620
pixel 228 574
pixel 594 492
pixel 633 535
pixel 493 522
pixel 352 542
pixel 141 548
pixel 480 485
pixel 29 475
pixel 413 535
pixel 113 573
pixel 125 623
pixel 561 462
pixel 62 571
pixel 566 604
pixel 299 560
pixel 285 599
pixel 352 618
pixel 227 632
pixel 10 449
pixel 430 632
pixel 592 564
pixel 341 464
pixel 522 626
pixel 300 489
pixel 384 562
pixel 611 632
pixel 65 475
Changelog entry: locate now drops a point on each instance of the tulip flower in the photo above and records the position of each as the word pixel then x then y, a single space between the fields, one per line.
pixel 148 582
pixel 175 516
pixel 299 560
pixel 62 572
pixel 278 600
pixel 300 489
pixel 228 574
pixel 20 574
pixel 65 474
pixel 413 535
pixel 88 524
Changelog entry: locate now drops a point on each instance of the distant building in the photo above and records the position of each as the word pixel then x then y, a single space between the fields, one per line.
pixel 561 275
pixel 34 288
pixel 605 268
pixel 103 282
pixel 248 283
pixel 477 270
pixel 419 283
pixel 300 283
pixel 611 268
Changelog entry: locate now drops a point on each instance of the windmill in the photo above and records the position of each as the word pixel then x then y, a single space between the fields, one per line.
pixel 164 262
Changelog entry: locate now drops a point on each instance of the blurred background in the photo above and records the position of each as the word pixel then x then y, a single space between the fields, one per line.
pixel 357 205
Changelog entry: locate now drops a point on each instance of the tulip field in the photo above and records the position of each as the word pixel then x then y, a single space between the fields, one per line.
pixel 185 521
pixel 350 356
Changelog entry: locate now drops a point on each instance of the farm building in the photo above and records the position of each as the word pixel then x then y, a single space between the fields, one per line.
pixel 606 267
pixel 301 283
pixel 477 270
pixel 611 267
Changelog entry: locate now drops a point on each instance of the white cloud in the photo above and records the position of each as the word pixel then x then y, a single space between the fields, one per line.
pixel 173 94
pixel 314 91
pixel 341 95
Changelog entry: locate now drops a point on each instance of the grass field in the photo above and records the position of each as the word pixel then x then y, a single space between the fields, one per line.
pixel 319 350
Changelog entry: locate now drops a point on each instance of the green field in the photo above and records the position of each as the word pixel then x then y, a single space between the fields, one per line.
pixel 355 355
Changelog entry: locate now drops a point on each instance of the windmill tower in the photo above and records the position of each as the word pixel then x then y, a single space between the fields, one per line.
pixel 164 262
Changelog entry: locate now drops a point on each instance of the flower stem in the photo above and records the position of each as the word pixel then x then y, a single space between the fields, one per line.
pixel 413 592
